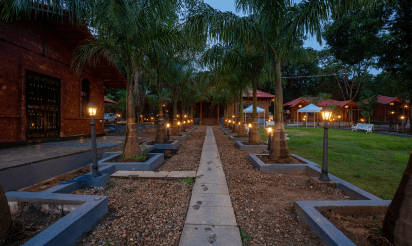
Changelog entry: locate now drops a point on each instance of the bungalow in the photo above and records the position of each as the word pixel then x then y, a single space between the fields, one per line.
pixel 41 95
pixel 208 113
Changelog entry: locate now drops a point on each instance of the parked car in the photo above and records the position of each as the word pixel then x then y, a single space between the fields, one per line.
pixel 110 118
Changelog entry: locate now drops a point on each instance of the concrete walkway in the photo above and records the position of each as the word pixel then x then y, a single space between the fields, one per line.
pixel 210 219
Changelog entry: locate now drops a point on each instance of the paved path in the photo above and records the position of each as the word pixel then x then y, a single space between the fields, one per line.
pixel 13 157
pixel 210 219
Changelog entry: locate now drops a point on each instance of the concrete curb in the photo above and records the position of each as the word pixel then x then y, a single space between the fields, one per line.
pixel 181 138
pixel 150 165
pixel 186 133
pixel 308 212
pixel 242 146
pixel 174 145
pixel 68 229
pixel 242 139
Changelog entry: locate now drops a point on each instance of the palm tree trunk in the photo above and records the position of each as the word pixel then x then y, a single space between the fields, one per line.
pixel 5 215
pixel 160 133
pixel 254 136
pixel 131 143
pixel 279 148
pixel 397 224
pixel 242 129
pixel 175 128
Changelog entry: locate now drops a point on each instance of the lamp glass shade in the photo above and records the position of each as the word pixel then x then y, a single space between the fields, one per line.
pixel 167 125
pixel 250 125
pixel 326 113
pixel 92 108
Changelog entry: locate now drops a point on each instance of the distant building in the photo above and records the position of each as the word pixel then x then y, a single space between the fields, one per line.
pixel 388 109
pixel 41 95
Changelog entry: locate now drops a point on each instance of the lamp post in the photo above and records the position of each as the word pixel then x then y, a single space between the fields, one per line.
pixel 167 129
pixel 92 108
pixel 326 114
pixel 270 137
pixel 339 120
pixel 402 117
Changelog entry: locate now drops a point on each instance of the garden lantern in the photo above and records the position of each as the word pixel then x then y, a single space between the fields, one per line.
pixel 92 109
pixel 250 126
pixel 402 118
pixel 167 127
pixel 229 121
pixel 339 120
pixel 326 114
pixel 270 130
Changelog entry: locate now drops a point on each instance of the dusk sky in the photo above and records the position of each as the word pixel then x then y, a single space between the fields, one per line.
pixel 229 5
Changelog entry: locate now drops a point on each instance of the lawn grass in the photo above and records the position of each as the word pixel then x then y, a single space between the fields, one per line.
pixel 373 162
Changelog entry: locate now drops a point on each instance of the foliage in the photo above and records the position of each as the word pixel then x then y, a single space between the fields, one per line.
pixel 142 156
pixel 187 181
pixel 368 102
pixel 244 236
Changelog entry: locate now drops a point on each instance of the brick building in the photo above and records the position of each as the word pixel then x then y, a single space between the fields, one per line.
pixel 41 95
pixel 207 112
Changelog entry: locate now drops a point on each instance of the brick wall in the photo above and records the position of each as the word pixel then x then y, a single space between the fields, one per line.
pixel 21 49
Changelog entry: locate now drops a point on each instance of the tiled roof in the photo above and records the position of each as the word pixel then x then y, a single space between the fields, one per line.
pixel 386 100
pixel 108 100
pixel 258 93
pixel 321 103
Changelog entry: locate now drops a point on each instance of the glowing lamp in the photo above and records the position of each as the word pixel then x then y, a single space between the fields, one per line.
pixel 346 106
pixel 391 104
pixel 178 123
pixel 167 125
pixel 233 116
pixel 270 129
pixel 185 116
pixel 92 108
pixel 238 123
pixel 402 117
pixel 300 106
pixel 230 121
pixel 250 125
pixel 326 113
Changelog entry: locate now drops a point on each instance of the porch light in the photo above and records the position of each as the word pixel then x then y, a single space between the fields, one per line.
pixel 326 113
pixel 300 106
pixel 346 106
pixel 391 104
pixel 92 108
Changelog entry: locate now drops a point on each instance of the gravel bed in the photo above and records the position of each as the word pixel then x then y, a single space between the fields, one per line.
pixel 189 153
pixel 264 202
pixel 141 212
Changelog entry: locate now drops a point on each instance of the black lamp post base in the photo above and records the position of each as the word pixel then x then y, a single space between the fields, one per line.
pixel 324 177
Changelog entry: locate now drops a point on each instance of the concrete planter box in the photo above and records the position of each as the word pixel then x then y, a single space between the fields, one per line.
pixel 174 145
pixel 241 139
pixel 185 133
pixel 308 211
pixel 242 146
pixel 181 138
pixel 150 165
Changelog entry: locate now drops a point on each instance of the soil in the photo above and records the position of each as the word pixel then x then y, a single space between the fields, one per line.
pixel 362 229
pixel 39 187
pixel 190 151
pixel 290 160
pixel 264 202
pixel 120 159
pixel 168 153
pixel 28 222
pixel 141 212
